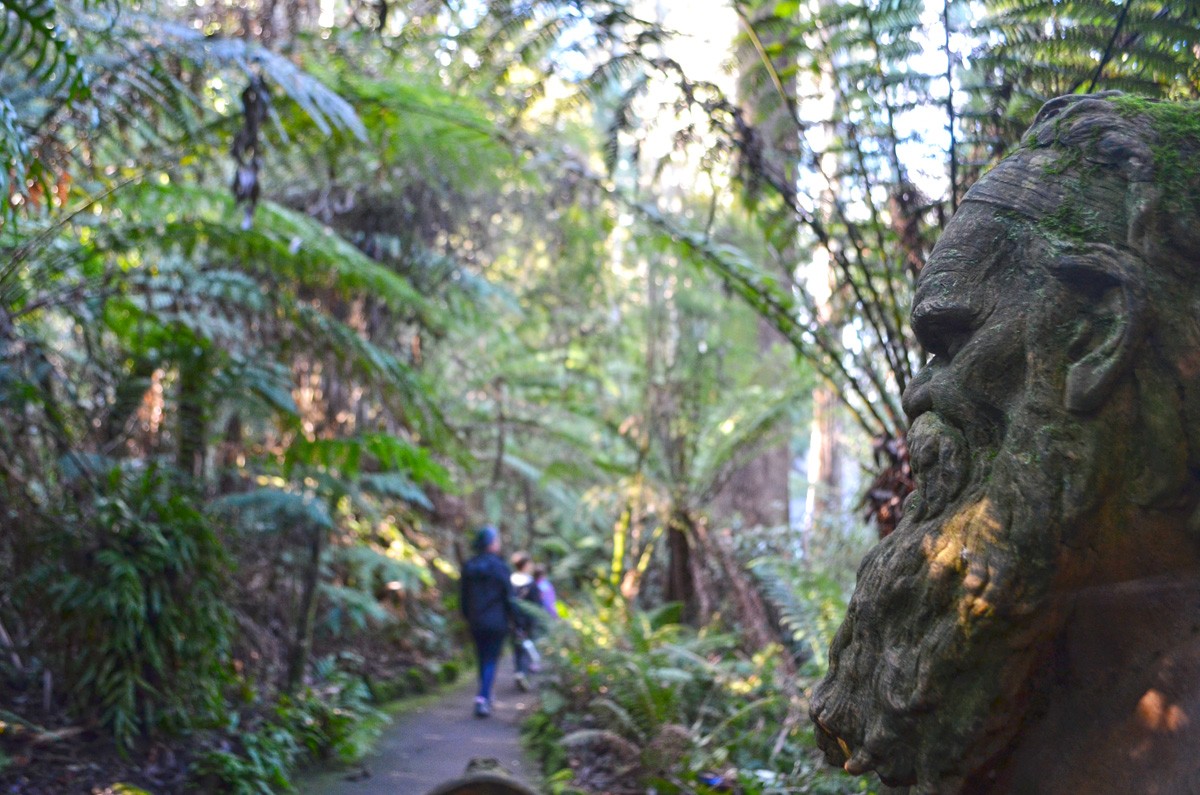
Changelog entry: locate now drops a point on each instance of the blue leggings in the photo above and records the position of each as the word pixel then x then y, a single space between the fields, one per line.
pixel 488 646
pixel 522 661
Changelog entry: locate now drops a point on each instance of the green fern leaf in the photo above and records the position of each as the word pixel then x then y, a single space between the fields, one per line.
pixel 271 509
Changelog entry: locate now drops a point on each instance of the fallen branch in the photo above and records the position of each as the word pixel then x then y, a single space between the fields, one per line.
pixel 14 727
pixel 7 640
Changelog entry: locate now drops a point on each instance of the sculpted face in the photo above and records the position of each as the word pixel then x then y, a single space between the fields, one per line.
pixel 952 611
pixel 1055 443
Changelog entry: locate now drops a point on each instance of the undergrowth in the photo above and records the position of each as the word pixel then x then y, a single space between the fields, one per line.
pixel 638 703
pixel 139 667
pixel 136 581
pixel 332 720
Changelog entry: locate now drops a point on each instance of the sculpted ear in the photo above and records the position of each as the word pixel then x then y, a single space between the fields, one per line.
pixel 1112 325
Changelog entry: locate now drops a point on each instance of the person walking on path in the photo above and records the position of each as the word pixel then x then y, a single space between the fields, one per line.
pixel 545 590
pixel 487 604
pixel 525 656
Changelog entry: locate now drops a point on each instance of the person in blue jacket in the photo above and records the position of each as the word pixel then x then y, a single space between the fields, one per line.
pixel 487 604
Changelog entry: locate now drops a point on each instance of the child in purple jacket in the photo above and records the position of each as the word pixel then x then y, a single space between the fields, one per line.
pixel 545 590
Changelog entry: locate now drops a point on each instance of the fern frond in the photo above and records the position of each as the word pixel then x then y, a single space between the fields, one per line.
pixel 270 383
pixel 14 157
pixel 729 436
pixel 809 604
pixel 31 36
pixel 326 108
pixel 361 610
pixel 395 485
pixel 349 456
pixel 271 509
pixel 615 715
pixel 367 569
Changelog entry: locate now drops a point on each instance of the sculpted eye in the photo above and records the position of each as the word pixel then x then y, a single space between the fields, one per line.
pixel 943 330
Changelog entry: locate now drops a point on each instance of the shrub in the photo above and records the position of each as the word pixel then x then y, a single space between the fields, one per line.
pixel 333 719
pixel 134 582
pixel 635 702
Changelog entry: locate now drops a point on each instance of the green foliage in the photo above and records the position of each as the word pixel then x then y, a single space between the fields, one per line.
pixel 1045 50
pixel 327 109
pixel 256 763
pixel 809 604
pixel 272 509
pixel 334 719
pixel 137 584
pixel 143 68
pixel 14 154
pixel 1031 52
pixel 384 451
pixel 364 573
pixel 440 136
pixel 443 312
pixel 636 700
pixel 30 34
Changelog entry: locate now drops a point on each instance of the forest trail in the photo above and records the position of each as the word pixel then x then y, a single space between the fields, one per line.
pixel 432 742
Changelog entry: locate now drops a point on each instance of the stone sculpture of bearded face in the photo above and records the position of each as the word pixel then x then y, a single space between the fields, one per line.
pixel 1053 442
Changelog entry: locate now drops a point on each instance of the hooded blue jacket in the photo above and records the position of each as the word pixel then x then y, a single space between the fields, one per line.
pixel 486 594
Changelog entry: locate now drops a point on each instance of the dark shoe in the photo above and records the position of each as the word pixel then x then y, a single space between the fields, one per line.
pixel 482 708
pixel 522 683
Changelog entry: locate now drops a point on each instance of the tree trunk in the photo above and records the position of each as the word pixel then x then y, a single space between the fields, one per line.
pixel 302 643
pixel 128 396
pixel 530 516
pixel 688 579
pixel 824 498
pixel 193 414
pixel 753 620
pixel 681 586
pixel 232 446
pixel 757 492
pixel 824 452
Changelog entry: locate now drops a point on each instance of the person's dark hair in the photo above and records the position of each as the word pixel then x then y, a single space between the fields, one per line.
pixel 539 571
pixel 484 537
pixel 520 560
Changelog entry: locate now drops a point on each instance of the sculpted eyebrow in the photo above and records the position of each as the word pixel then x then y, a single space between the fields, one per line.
pixel 932 319
pixel 942 312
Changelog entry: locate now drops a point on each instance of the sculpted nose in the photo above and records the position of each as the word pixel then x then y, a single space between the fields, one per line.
pixel 917 398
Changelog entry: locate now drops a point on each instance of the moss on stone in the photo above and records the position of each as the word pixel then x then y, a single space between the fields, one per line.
pixel 1068 159
pixel 1177 152
pixel 1175 122
pixel 1073 221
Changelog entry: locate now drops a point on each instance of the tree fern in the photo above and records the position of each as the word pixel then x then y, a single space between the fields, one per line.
pixel 368 569
pixel 175 258
pixel 14 155
pixel 809 605
pixel 274 509
pixel 32 35
pixel 351 455
pixel 395 485
pixel 1032 51
pixel 142 100
pixel 148 43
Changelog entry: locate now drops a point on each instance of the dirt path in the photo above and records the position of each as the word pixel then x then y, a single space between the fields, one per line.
pixel 433 741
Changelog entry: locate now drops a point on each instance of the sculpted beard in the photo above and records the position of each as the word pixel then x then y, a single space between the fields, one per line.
pixel 950 614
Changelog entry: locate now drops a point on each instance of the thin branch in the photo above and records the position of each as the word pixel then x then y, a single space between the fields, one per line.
pixel 950 113
pixel 1112 41
pixel 788 101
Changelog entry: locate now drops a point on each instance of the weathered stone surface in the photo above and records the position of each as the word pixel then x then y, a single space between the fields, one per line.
pixel 1033 625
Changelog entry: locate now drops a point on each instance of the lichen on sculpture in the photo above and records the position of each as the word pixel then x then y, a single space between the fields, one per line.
pixel 1033 625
